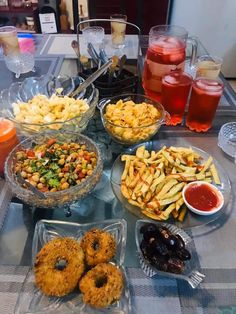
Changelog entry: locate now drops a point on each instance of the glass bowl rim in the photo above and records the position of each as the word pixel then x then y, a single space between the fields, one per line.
pixel 61 192
pixel 107 101
pixel 50 77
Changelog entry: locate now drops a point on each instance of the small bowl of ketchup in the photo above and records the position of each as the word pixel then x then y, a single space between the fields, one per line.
pixel 203 198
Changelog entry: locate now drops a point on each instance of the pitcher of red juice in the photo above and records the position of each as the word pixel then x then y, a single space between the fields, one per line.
pixel 166 52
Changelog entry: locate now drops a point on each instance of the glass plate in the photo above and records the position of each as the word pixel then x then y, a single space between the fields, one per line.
pixel 32 300
pixel 191 220
pixel 190 273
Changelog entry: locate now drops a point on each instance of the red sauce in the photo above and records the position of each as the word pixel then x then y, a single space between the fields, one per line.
pixel 202 197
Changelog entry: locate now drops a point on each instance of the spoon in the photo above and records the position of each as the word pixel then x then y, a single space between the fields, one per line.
pixel 121 64
pixel 91 79
pixel 93 53
pixel 115 61
pixel 75 46
pixel 30 186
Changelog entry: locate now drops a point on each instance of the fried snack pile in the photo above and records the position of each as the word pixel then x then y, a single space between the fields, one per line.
pixel 153 181
pixel 41 109
pixel 131 121
pixel 64 264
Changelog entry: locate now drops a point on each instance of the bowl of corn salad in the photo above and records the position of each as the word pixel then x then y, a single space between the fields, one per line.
pixel 65 167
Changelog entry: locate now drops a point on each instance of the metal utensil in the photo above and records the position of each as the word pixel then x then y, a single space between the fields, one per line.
pixel 121 64
pixel 91 79
pixel 93 53
pixel 30 186
pixel 103 56
pixel 75 46
pixel 115 61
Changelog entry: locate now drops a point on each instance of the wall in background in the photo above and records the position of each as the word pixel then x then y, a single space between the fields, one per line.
pixel 214 22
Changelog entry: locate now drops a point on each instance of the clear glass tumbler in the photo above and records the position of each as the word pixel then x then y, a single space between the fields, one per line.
pixel 204 100
pixel 118 28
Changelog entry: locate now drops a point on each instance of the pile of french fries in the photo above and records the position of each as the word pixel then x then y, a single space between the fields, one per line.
pixel 153 181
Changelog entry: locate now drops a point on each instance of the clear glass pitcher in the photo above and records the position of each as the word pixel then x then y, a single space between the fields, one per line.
pixel 166 52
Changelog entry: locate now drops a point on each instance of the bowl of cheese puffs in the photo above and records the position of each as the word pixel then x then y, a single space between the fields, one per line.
pixel 41 104
pixel 132 119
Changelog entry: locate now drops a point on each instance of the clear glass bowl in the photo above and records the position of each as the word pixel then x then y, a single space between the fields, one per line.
pixel 132 135
pixel 59 198
pixel 36 302
pixel 191 220
pixel 227 139
pixel 190 273
pixel 47 85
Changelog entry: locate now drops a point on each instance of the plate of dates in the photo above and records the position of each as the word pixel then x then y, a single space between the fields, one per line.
pixel 167 250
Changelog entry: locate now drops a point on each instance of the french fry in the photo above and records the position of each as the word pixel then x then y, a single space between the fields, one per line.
pixel 153 181
pixel 167 187
pixel 207 164
pixel 182 213
pixel 176 188
pixel 215 174
pixel 170 200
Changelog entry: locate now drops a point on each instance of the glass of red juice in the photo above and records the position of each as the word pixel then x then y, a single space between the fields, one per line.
pixel 166 52
pixel 204 100
pixel 174 96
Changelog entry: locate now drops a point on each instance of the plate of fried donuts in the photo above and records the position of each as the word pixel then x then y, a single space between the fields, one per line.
pixel 77 268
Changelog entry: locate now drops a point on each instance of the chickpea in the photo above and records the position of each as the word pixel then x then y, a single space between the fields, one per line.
pixel 83 147
pixel 89 172
pixel 89 166
pixel 42 180
pixel 23 174
pixel 61 162
pixel 35 178
pixel 40 185
pixel 65 186
pixel 84 171
pixel 63 180
pixel 29 169
pixel 78 181
pixel 61 175
pixel 53 190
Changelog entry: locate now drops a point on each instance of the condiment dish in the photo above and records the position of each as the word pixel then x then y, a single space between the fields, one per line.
pixel 203 198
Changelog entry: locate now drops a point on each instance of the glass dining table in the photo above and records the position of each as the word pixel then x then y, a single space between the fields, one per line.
pixel 214 242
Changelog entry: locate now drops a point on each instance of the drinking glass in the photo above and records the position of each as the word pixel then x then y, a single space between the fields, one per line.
pixel 20 63
pixel 174 96
pixel 118 27
pixel 166 52
pixel 208 66
pixel 9 40
pixel 94 34
pixel 204 100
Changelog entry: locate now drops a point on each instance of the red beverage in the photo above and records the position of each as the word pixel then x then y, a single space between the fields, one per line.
pixel 164 55
pixel 205 97
pixel 174 96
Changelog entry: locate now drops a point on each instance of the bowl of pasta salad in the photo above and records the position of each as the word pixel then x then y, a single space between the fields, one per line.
pixel 133 118
pixel 40 104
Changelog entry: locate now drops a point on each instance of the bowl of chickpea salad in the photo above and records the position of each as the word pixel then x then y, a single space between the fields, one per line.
pixel 65 167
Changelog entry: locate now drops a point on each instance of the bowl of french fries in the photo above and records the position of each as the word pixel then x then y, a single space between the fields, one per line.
pixel 42 104
pixel 148 180
pixel 132 119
